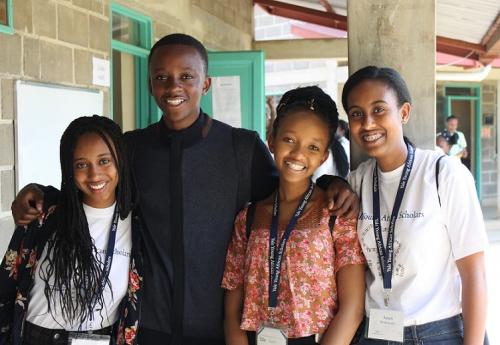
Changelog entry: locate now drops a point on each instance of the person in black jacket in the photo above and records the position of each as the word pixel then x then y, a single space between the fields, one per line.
pixel 193 174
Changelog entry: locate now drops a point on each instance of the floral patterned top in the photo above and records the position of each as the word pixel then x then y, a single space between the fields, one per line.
pixel 307 293
pixel 17 273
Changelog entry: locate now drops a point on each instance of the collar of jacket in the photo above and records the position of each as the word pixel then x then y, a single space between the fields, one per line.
pixel 189 136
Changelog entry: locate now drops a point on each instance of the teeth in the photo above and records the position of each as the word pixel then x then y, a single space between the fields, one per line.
pixel 295 166
pixel 97 186
pixel 175 101
pixel 372 137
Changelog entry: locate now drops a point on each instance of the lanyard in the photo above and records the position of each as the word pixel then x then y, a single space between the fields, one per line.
pixel 386 254
pixel 276 251
pixel 109 254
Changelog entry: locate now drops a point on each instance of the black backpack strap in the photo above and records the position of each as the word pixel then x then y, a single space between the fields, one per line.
pixel 249 219
pixel 437 177
pixel 244 145
pixel 331 223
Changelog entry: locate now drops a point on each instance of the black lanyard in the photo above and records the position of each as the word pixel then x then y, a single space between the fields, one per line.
pixel 386 255
pixel 276 252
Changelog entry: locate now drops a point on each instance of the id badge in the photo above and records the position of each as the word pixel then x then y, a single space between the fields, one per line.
pixel 270 334
pixel 88 339
pixel 386 325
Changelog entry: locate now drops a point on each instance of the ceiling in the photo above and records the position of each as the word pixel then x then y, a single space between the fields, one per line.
pixel 464 28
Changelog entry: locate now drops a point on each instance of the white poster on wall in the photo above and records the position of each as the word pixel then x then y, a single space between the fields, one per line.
pixel 43 113
pixel 100 72
pixel 226 102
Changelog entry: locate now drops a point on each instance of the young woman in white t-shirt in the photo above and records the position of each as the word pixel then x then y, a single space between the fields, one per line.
pixel 69 273
pixel 420 225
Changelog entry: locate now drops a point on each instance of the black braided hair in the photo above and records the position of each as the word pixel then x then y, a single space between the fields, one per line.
pixel 73 268
pixel 309 98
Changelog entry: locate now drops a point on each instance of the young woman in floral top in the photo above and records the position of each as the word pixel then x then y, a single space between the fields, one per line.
pixel 57 279
pixel 319 292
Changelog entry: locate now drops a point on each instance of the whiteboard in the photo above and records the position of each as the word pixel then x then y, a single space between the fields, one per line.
pixel 43 113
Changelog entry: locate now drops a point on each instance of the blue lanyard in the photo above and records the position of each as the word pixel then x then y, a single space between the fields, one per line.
pixel 386 255
pixel 276 252
pixel 109 252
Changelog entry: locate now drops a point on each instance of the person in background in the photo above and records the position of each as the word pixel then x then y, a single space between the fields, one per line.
pixel 343 137
pixel 442 144
pixel 455 138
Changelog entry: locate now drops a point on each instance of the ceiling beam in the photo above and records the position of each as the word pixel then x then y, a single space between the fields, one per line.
pixel 488 50
pixel 444 42
pixel 330 48
pixel 491 42
pixel 459 48
pixel 305 14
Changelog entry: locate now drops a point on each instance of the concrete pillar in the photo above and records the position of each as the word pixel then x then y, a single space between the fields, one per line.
pixel 402 35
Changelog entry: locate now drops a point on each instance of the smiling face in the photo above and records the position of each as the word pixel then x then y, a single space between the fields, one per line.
pixel 94 171
pixel 300 145
pixel 375 122
pixel 178 80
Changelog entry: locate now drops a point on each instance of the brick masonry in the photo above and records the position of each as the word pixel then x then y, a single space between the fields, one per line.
pixel 54 42
pixel 489 156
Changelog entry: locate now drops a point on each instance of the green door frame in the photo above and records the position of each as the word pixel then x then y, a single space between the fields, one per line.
pixel 9 28
pixel 143 101
pixel 253 63
pixel 477 123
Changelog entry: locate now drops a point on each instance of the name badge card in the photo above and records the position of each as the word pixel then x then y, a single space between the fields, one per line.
pixel 386 325
pixel 269 334
pixel 88 339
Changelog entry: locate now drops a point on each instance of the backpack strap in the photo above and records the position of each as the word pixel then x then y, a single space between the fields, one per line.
pixel 244 145
pixel 331 223
pixel 437 177
pixel 249 219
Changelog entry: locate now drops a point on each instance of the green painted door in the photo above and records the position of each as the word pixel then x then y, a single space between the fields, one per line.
pixel 237 93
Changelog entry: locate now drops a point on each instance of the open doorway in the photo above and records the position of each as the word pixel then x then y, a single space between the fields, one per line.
pixel 464 102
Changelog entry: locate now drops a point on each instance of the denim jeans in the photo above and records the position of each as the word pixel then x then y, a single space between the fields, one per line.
pixel 448 331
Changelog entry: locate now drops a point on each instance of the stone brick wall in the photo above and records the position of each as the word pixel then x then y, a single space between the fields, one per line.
pixel 54 42
pixel 489 155
pixel 219 24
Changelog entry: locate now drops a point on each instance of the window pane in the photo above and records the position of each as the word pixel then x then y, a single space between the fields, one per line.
pixel 125 29
pixel 124 90
pixel 3 12
pixel 459 91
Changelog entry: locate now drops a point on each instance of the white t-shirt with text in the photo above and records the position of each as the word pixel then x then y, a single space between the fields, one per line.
pixel 429 237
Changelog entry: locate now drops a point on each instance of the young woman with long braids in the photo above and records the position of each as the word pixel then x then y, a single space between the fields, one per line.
pixel 71 272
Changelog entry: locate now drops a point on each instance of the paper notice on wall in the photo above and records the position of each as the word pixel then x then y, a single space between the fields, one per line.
pixel 486 132
pixel 226 102
pixel 100 72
